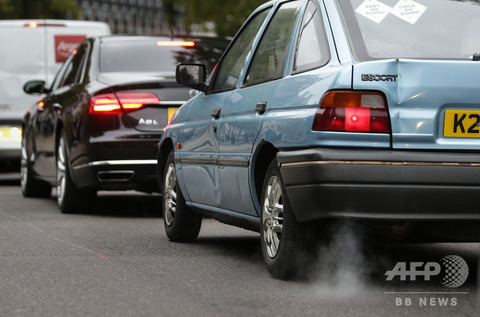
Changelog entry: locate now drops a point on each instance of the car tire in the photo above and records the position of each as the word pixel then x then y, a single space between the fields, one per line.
pixel 286 243
pixel 70 198
pixel 181 223
pixel 29 185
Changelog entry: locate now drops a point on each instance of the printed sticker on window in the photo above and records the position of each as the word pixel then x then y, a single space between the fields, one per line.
pixel 408 10
pixel 373 10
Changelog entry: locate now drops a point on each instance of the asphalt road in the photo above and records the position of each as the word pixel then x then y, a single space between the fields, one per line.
pixel 115 260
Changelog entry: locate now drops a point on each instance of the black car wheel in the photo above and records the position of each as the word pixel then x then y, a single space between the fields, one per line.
pixel 284 241
pixel 181 223
pixel 30 186
pixel 69 197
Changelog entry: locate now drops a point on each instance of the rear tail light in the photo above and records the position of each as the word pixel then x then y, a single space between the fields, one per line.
pixel 351 111
pixel 121 102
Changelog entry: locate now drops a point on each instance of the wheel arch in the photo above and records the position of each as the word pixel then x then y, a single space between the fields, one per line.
pixel 264 155
pixel 163 150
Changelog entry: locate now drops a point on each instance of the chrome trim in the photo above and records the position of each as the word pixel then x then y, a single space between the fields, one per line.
pixel 118 162
pixel 171 103
pixel 380 163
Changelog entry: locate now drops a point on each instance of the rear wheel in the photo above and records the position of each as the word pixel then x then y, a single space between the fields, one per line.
pixel 284 240
pixel 69 197
pixel 181 223
pixel 30 186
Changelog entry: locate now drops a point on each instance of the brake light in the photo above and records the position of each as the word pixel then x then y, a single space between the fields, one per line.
pixel 176 43
pixel 106 103
pixel 122 101
pixel 351 111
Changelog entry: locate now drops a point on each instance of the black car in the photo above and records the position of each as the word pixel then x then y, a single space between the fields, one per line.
pixel 98 126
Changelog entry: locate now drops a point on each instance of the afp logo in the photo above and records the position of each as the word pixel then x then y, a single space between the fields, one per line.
pixel 451 269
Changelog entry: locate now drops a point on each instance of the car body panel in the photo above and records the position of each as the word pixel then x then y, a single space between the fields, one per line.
pixel 418 93
pixel 105 150
pixel 390 175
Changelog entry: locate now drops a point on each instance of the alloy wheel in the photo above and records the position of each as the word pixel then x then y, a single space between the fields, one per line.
pixel 273 216
pixel 23 167
pixel 61 172
pixel 170 195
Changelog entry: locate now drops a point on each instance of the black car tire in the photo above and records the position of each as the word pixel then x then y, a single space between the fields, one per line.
pixel 285 242
pixel 29 185
pixel 70 198
pixel 181 223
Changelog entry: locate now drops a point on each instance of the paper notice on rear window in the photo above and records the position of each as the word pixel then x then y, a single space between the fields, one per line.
pixel 374 10
pixel 408 10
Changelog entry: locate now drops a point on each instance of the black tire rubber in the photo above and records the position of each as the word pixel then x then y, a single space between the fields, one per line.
pixel 70 199
pixel 181 223
pixel 29 185
pixel 294 256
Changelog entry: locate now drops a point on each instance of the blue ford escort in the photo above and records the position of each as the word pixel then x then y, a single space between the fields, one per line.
pixel 328 109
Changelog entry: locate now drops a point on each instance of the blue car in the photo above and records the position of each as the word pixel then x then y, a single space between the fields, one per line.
pixel 325 109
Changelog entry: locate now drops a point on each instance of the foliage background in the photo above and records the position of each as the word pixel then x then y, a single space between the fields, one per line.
pixel 38 9
pixel 223 17
pixel 227 16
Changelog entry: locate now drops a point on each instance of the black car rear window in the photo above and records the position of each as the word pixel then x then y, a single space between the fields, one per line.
pixel 158 55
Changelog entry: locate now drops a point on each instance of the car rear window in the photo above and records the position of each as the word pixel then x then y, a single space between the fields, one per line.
pixel 439 29
pixel 158 55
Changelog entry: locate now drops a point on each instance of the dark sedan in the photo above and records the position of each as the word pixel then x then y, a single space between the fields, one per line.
pixel 98 126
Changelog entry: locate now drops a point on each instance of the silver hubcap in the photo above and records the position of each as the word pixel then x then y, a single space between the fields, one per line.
pixel 170 198
pixel 273 216
pixel 61 172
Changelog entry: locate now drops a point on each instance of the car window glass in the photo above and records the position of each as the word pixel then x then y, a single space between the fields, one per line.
pixel 312 50
pixel 234 59
pixel 269 59
pixel 156 54
pixel 59 75
pixel 412 29
pixel 73 68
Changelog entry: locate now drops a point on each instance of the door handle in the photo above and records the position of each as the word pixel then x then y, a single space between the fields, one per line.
pixel 216 113
pixel 260 107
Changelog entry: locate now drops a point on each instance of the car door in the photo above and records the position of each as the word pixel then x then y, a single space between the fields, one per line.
pixel 62 94
pixel 199 155
pixel 242 115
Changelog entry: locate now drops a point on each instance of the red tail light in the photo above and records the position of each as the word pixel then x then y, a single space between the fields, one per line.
pixel 351 111
pixel 121 102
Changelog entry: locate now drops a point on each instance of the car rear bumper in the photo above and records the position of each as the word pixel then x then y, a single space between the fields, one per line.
pixel 138 174
pixel 381 184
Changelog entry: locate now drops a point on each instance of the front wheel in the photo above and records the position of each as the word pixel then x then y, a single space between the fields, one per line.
pixel 284 241
pixel 29 185
pixel 181 223
pixel 69 197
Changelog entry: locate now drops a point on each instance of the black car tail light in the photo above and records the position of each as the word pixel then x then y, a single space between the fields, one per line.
pixel 121 102
pixel 352 111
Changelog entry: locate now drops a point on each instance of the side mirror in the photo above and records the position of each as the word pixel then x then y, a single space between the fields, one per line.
pixel 34 87
pixel 191 75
